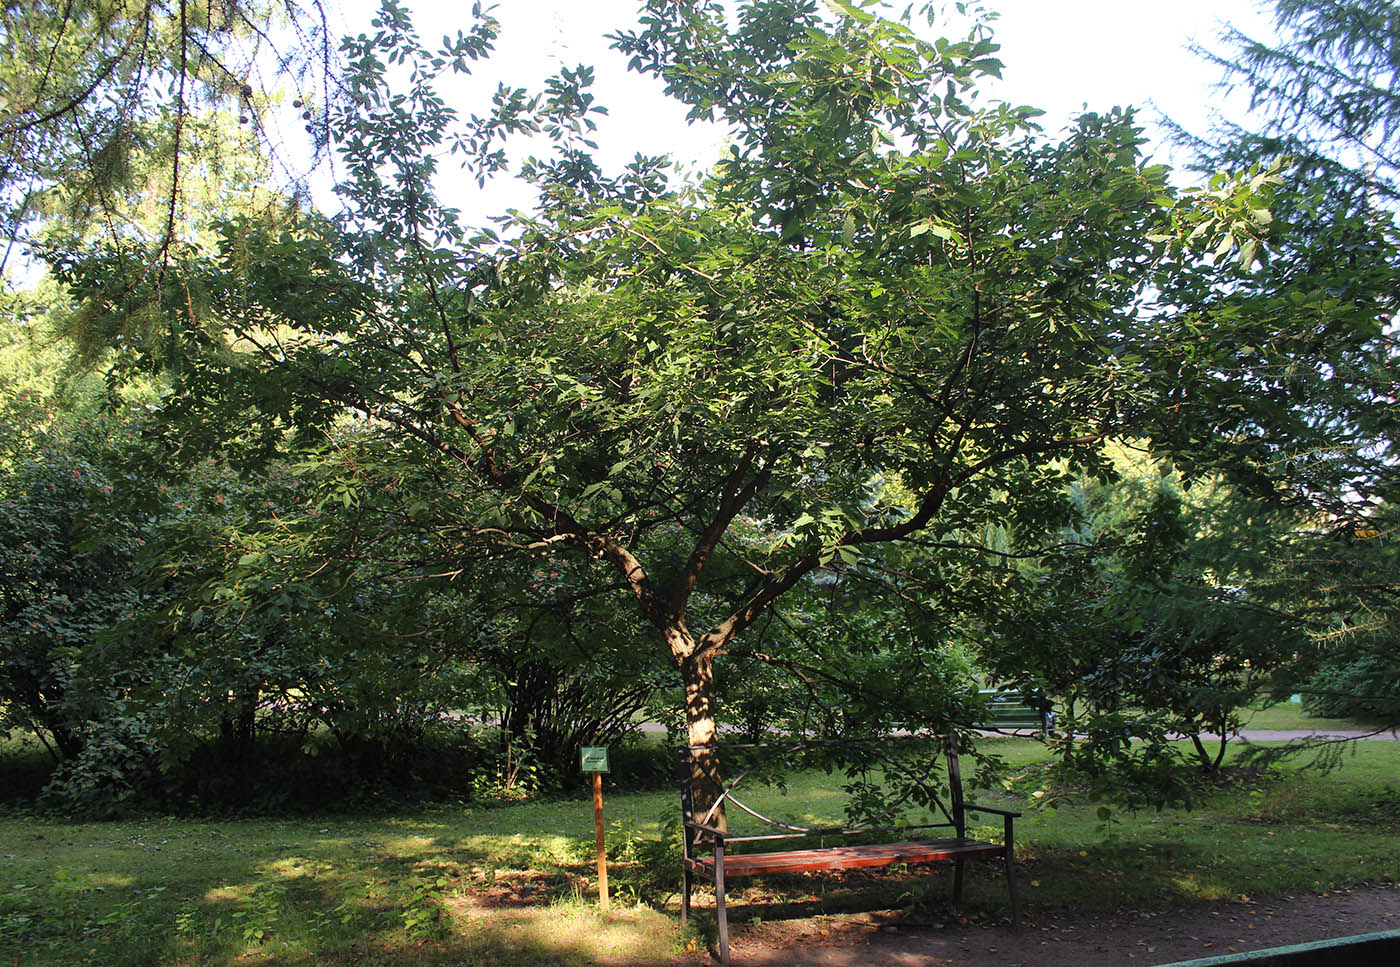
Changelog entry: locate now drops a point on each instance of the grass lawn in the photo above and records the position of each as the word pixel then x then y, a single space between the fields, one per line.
pixel 1290 715
pixel 512 884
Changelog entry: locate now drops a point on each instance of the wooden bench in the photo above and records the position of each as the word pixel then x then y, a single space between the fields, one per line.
pixel 708 853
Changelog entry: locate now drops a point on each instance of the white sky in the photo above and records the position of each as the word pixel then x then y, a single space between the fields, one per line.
pixel 1062 55
pixel 1059 55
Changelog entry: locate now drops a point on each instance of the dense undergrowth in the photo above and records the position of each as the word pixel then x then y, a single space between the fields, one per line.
pixel 449 764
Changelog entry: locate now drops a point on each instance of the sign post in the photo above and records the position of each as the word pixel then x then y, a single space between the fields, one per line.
pixel 594 759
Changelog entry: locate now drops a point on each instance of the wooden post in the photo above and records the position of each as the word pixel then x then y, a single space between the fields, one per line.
pixel 602 848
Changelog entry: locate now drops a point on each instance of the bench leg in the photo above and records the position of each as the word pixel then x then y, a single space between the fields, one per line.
pixel 958 879
pixel 1011 888
pixel 1009 840
pixel 687 881
pixel 720 915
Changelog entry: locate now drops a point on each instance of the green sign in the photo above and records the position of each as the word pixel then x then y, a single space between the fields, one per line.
pixel 593 758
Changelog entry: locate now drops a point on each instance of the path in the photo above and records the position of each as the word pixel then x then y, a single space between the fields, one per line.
pixel 1249 735
pixel 1293 735
pixel 876 940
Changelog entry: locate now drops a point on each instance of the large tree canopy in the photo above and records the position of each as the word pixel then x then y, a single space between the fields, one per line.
pixel 894 314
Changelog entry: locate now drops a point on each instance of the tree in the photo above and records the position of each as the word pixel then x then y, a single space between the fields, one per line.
pixel 67 555
pixel 1154 619
pixel 527 643
pixel 891 316
pixel 111 108
pixel 1325 96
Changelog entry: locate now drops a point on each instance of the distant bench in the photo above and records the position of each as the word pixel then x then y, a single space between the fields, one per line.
pixel 1016 710
pixel 707 848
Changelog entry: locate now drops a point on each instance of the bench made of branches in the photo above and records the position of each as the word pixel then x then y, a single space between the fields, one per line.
pixel 707 849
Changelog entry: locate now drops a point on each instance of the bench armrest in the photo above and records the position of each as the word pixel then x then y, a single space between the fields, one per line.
pixel 972 807
pixel 712 830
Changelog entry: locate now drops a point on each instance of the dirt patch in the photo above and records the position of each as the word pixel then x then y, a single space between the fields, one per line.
pixel 1066 940
pixel 516 890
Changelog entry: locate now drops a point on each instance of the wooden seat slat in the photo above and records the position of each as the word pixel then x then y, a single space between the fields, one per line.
pixel 849 857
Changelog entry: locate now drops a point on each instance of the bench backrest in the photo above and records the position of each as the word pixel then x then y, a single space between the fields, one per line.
pixel 943 799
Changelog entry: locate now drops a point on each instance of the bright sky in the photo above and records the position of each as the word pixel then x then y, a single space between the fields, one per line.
pixel 1059 55
pixel 1062 55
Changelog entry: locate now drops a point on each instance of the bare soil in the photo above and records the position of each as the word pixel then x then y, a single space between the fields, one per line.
pixel 884 939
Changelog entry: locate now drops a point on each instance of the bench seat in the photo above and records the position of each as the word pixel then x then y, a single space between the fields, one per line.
pixel 848 857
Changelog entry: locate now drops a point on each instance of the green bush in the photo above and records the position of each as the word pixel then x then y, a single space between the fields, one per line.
pixel 1366 687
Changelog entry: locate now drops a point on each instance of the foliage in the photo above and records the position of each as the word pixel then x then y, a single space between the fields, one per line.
pixel 519 641
pixel 1361 685
pixel 872 348
pixel 1325 97
pixel 1156 618
pixel 69 545
pixel 830 314
pixel 118 654
pixel 32 369
pixel 118 117
pixel 1325 93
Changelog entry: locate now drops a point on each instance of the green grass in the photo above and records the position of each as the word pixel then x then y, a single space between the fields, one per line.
pixel 433 886
pixel 1294 832
pixel 513 884
pixel 1290 715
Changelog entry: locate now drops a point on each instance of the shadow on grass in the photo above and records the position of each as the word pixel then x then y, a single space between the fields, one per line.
pixel 388 893
pixel 381 895
pixel 439 919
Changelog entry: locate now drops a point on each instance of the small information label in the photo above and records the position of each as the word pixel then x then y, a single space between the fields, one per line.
pixel 593 758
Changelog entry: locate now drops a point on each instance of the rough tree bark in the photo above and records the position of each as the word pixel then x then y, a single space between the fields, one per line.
pixel 702 732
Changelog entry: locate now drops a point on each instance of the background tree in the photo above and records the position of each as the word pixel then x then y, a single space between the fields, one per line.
pixel 114 106
pixel 1155 618
pixel 1325 96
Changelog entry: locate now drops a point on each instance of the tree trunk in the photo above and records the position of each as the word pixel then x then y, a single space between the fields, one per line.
pixel 69 742
pixel 1210 763
pixel 238 725
pixel 39 702
pixel 701 727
